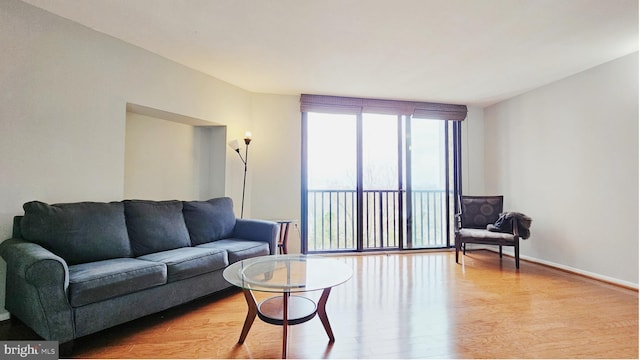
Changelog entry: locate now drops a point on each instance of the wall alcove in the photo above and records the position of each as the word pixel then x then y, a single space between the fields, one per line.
pixel 172 156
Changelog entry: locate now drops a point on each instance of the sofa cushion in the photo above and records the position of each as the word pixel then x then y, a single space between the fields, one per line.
pixel 209 220
pixel 78 232
pixel 238 249
pixel 188 262
pixel 100 280
pixel 155 226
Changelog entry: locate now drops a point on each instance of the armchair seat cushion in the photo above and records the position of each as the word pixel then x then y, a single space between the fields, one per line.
pixel 239 249
pixel 100 280
pixel 187 262
pixel 479 235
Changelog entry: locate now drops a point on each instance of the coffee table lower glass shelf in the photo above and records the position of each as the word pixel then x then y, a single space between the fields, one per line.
pixel 287 274
pixel 301 309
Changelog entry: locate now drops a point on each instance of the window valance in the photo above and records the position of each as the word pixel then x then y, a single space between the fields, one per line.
pixel 351 105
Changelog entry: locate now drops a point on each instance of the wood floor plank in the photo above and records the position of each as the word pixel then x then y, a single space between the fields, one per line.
pixel 419 305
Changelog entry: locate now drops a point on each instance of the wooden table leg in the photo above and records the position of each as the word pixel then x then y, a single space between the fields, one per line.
pixel 285 323
pixel 322 313
pixel 283 237
pixel 251 314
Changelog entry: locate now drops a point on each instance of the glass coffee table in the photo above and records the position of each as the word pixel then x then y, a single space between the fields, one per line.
pixel 287 274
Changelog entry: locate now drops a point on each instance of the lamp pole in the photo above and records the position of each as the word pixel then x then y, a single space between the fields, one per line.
pixel 236 147
pixel 247 140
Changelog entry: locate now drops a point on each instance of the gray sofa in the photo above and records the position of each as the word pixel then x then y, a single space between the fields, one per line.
pixel 77 268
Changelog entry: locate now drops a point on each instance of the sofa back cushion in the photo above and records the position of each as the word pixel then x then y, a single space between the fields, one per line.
pixel 77 232
pixel 155 225
pixel 209 220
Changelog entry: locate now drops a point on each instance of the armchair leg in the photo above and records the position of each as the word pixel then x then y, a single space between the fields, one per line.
pixel 516 250
pixel 500 246
pixel 457 246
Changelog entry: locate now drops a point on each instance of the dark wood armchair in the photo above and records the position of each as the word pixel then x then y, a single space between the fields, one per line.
pixel 476 212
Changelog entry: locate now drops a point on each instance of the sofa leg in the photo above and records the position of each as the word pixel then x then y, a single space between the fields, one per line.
pixel 516 251
pixel 65 349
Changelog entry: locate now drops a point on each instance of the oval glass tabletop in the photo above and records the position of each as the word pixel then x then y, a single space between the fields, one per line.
pixel 287 273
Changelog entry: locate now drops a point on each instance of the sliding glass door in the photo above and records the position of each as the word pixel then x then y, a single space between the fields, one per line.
pixel 430 164
pixel 331 181
pixel 377 182
pixel 381 181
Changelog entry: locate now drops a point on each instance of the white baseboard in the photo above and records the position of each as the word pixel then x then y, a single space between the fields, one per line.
pixel 570 269
pixel 589 274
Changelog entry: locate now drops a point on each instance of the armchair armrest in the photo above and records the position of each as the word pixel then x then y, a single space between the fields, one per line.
pixel 515 230
pixel 37 283
pixel 457 222
pixel 258 230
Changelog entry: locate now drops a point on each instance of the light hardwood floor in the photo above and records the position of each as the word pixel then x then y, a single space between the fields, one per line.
pixel 420 305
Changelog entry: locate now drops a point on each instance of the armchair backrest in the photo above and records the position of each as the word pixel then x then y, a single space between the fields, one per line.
pixel 480 211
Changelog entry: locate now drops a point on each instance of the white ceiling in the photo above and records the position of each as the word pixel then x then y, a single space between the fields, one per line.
pixel 474 52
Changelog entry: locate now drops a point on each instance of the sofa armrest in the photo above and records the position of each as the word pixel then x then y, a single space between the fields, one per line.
pixel 27 259
pixel 258 230
pixel 37 283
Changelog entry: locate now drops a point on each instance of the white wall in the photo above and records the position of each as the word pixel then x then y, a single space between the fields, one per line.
pixel 473 152
pixel 65 90
pixel 566 154
pixel 276 161
pixel 171 160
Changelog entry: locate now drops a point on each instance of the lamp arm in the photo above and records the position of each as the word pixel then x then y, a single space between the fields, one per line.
pixel 241 158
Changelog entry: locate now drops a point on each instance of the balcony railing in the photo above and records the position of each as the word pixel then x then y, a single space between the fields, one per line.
pixel 332 220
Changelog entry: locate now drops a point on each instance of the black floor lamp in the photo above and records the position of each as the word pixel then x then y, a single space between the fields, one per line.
pixel 235 145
